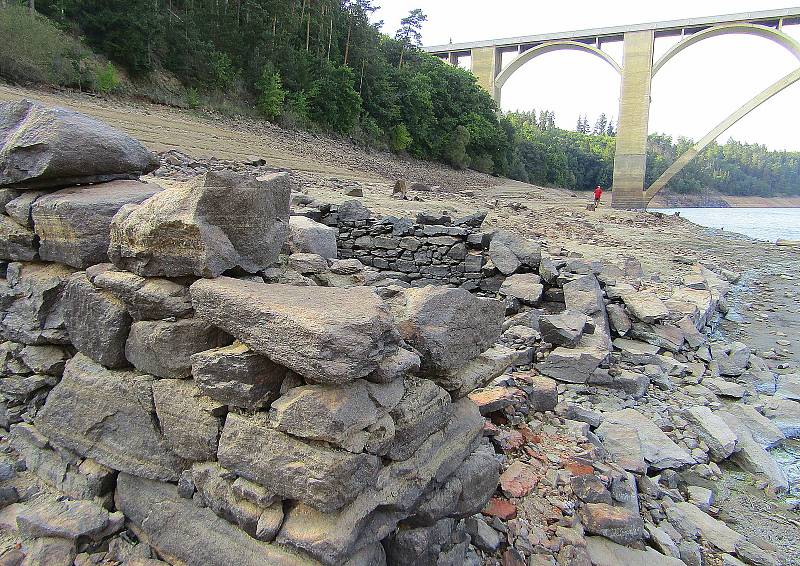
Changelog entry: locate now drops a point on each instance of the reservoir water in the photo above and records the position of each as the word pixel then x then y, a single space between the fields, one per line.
pixel 768 224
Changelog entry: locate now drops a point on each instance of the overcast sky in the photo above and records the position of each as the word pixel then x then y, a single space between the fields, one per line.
pixel 691 94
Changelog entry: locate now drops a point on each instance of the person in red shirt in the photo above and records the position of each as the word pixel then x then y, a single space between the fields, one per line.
pixel 598 192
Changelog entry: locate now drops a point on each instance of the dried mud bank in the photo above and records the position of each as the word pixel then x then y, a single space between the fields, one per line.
pixel 234 365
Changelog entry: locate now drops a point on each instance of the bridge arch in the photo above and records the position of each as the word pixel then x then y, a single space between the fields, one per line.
pixel 549 47
pixel 777 36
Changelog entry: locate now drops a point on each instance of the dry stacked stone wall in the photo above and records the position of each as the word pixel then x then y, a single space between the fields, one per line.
pixel 161 387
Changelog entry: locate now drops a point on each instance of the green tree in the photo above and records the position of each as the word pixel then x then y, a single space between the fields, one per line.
pixel 333 102
pixel 271 94
pixel 455 150
pixel 400 139
pixel 410 32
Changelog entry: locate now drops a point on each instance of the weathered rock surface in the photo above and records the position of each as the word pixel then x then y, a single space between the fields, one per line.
pixel 584 295
pixel 34 309
pixel 760 427
pixel 604 552
pixel 714 531
pixel 307 236
pixel 190 422
pixel 636 442
pixel 618 524
pixel 645 306
pixel 324 478
pixel 108 416
pixel 336 414
pixel 190 231
pixel 563 329
pixel 17 243
pixel 236 375
pixel 326 335
pixel 98 323
pixel 424 409
pixel 448 327
pixel 750 454
pixel 19 208
pixel 52 147
pixel 164 349
pixel 145 298
pixel 713 431
pixel 166 522
pixel 478 372
pixel 445 542
pixel 527 287
pixel 330 537
pixel 572 365
pixel 67 519
pixel 618 319
pixel 74 224
pixel 509 252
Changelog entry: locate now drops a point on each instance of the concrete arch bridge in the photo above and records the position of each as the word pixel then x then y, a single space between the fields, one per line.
pixel 636 74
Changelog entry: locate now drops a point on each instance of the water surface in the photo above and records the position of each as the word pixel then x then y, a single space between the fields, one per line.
pixel 767 224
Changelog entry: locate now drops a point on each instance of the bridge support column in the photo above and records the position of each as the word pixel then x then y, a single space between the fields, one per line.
pixel 634 117
pixel 486 63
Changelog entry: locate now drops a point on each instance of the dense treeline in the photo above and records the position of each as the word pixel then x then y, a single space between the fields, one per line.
pixel 309 62
pixel 581 160
pixel 324 64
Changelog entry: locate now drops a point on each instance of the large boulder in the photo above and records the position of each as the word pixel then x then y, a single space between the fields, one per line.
pixel 645 306
pixel 448 327
pixel 97 322
pixel 33 305
pixel 322 477
pixel 572 365
pixel 527 287
pixel 74 224
pixel 236 375
pixel 712 430
pixel 192 230
pixel 164 349
pixel 185 533
pixel 510 252
pixel 307 236
pixel 109 416
pixel 327 335
pixel 478 372
pixel 584 295
pixel 563 329
pixel 55 147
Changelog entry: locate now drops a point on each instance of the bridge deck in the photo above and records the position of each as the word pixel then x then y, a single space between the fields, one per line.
pixel 789 16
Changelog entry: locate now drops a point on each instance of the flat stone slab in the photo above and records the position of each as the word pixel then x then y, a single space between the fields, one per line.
pixel 64 519
pixel 327 335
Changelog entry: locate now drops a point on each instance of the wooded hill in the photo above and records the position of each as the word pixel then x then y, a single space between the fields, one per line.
pixel 323 64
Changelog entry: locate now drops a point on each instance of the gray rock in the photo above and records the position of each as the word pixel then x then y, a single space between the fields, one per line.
pixel 509 252
pixel 33 310
pixel 483 536
pixel 714 531
pixel 51 551
pixel 478 372
pixel 353 211
pixel 270 522
pixel 65 519
pixel 713 431
pixel 322 477
pixel 636 442
pixel 750 454
pixel 542 393
pixel 108 416
pixel 590 489
pixel 17 243
pixel 575 412
pixel 190 231
pixel 338 414
pixel 618 319
pixel 45 359
pixel 604 552
pixel 724 388
pixel 164 348
pixel 618 524
pixel 307 236
pixel 428 545
pixel 667 336
pixel 762 430
pixel 330 537
pixel 563 329
pixel 166 522
pixel 784 414
pixel 572 365
pixel 74 224
pixel 235 375
pixel 526 287
pixel 98 323
pixel 214 490
pixel 145 298
pixel 324 334
pixel 448 327
pixel 645 306
pixel 584 295
pixel 52 147
pixel 19 209
pixel 307 264
pixel 423 410
pixel 733 359
pixel 191 422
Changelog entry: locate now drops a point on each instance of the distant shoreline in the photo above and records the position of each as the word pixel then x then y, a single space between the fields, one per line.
pixel 724 201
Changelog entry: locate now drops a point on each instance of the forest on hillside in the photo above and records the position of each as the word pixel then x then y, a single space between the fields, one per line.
pixel 325 65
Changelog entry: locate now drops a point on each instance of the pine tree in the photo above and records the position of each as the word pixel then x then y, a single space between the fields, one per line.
pixel 601 125
pixel 410 32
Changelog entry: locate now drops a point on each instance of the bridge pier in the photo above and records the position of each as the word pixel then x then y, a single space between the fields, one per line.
pixel 486 63
pixel 630 161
